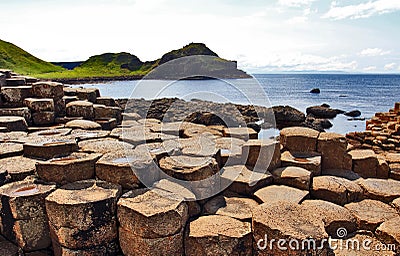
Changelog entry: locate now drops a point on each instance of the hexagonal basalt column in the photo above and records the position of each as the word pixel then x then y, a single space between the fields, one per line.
pixel 48 148
pixel 299 139
pixel 309 161
pixel 82 218
pixel 80 109
pixel 259 154
pixel 23 214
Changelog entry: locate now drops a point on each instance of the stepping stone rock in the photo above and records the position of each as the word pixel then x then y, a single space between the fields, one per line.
pixel 83 214
pixel 287 221
pixel 14 95
pixel 48 148
pixel 51 133
pixel 105 112
pixel 234 207
pixel 74 167
pixel 231 150
pixel 299 139
pixel 382 190
pixel 336 190
pixel 51 90
pixel 18 167
pixel 293 177
pixel 274 193
pixel 82 135
pixel 39 105
pixel 365 162
pixel 16 137
pixel 333 216
pixel 13 123
pixel 22 211
pixel 371 213
pixel 11 149
pixel 241 180
pixel 308 161
pixel 83 124
pixel 80 109
pixel 333 148
pixel 243 133
pixel 104 145
pixel 389 232
pixel 127 168
pixel 259 154
pixel 204 236
pixel 152 214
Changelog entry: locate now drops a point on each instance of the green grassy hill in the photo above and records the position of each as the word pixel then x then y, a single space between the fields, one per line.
pixel 14 58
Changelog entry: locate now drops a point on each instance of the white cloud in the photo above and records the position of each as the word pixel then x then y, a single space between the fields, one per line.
pixel 297 20
pixel 363 10
pixel 390 66
pixel 295 3
pixel 373 52
pixel 371 68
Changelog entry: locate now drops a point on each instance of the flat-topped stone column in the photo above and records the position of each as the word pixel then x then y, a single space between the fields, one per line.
pixel 48 148
pixel 23 215
pixel 82 218
pixel 260 154
pixel 299 139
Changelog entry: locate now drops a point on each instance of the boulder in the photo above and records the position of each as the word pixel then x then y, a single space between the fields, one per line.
pixel 51 90
pixel 308 161
pixel 336 190
pixel 82 214
pixel 333 216
pixel 371 213
pixel 315 91
pixel 365 162
pixel 286 116
pixel 275 193
pixel 23 211
pixel 13 123
pixel 285 221
pixel 74 167
pixel 323 111
pixel 260 154
pixel 80 109
pixel 299 139
pixel 39 105
pixel 204 236
pixel 291 176
pixel 353 113
pixel 239 179
pixel 18 167
pixel 83 124
pixel 333 149
pixel 382 190
pixel 235 207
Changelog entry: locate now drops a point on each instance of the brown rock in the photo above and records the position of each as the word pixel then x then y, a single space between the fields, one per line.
pixel 15 81
pixel 365 162
pixel 103 145
pixel 333 148
pixel 108 101
pixel 13 123
pixel 231 150
pixel 371 213
pixel 48 148
pixel 17 137
pixel 234 207
pixel 80 109
pixel 353 246
pixel 296 177
pixel 74 167
pixel 10 149
pixel 299 139
pixel 48 90
pixel 241 180
pixel 109 248
pixel 243 133
pixel 333 216
pixel 347 174
pixel 83 124
pixel 23 111
pixel 287 221
pixel 81 135
pixel 18 167
pixel 152 213
pixel 259 154
pixel 336 190
pixel 389 232
pixel 43 118
pixel 382 190
pixel 274 193
pixel 8 248
pixel 308 161
pixel 204 236
pixel 39 105
pixel 106 112
pixel 14 96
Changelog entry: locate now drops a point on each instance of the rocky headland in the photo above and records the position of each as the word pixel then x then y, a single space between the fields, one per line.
pixel 75 170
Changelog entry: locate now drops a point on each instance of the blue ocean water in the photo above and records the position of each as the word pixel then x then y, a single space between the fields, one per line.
pixel 367 93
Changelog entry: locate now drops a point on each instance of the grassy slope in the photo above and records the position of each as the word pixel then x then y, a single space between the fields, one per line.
pixel 18 60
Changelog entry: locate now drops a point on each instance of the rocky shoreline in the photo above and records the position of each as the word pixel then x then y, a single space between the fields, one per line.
pixel 82 174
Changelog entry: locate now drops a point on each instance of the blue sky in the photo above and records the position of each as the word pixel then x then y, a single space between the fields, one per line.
pixel 263 36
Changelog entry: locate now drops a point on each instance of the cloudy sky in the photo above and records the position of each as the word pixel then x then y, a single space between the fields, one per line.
pixel 264 36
